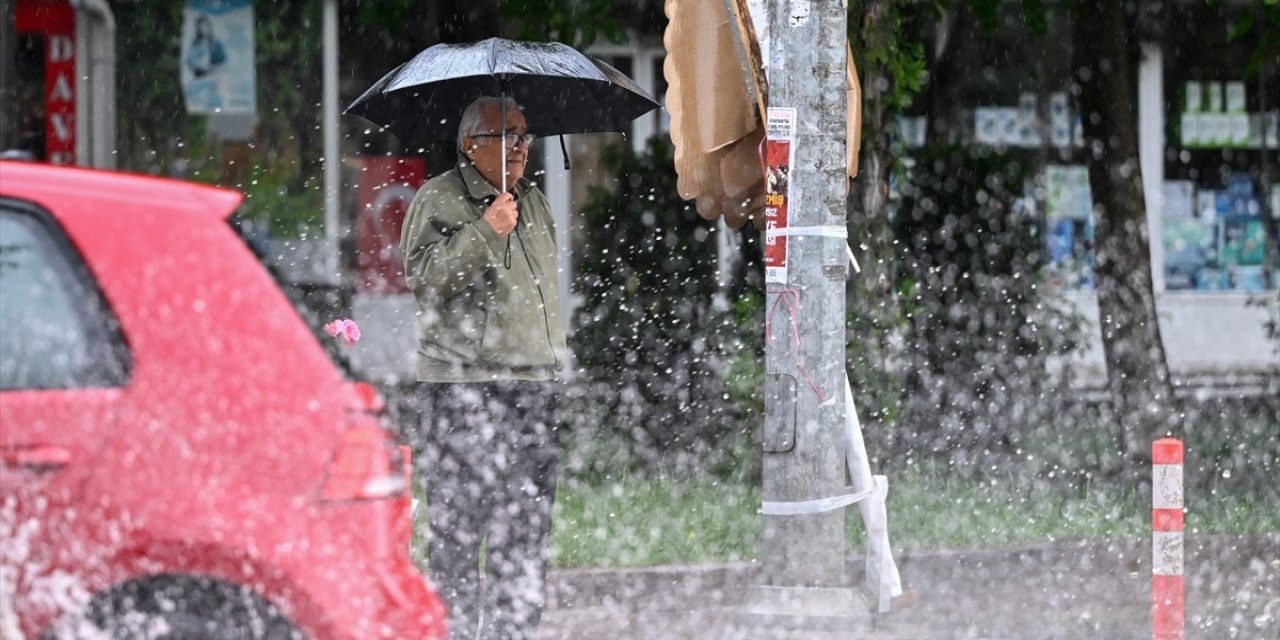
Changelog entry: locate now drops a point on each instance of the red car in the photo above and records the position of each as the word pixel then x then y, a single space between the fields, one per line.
pixel 181 458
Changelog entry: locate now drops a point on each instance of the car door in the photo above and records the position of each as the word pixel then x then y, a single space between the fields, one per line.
pixel 63 365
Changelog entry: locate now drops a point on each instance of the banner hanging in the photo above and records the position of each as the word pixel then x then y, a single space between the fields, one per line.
pixel 217 67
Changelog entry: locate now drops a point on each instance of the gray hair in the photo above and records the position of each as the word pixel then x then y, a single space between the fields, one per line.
pixel 472 121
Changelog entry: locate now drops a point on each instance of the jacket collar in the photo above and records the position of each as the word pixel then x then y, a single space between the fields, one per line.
pixel 479 188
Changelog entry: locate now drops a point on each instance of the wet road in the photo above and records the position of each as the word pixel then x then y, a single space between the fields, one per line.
pixel 1093 591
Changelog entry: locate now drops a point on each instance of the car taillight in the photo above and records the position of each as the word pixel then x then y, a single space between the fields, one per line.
pixel 370 400
pixel 367 465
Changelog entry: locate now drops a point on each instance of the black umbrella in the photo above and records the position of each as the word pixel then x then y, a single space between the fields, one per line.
pixel 561 90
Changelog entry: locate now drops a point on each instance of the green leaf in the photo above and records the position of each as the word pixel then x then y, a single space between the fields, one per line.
pixel 1241 27
pixel 987 12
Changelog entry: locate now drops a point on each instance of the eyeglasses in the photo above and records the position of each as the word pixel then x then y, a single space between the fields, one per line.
pixel 512 139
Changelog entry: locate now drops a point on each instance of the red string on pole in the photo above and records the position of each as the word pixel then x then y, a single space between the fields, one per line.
pixel 790 298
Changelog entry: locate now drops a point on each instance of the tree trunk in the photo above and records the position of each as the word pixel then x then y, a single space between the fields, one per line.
pixel 1137 371
pixel 872 308
pixel 952 61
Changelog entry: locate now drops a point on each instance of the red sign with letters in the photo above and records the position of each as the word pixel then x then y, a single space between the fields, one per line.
pixel 56 21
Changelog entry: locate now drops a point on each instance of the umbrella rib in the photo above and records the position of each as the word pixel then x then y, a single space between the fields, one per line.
pixel 604 108
pixel 413 133
pixel 447 71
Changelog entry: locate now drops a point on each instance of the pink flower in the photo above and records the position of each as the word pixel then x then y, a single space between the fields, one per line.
pixel 345 328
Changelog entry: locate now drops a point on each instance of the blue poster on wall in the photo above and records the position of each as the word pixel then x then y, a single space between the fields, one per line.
pixel 1070 249
pixel 217 64
pixel 1191 254
pixel 1223 246
pixel 1069 222
pixel 1243 252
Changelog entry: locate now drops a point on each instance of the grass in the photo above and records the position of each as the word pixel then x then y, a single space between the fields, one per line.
pixel 647 522
pixel 931 511
pixel 636 522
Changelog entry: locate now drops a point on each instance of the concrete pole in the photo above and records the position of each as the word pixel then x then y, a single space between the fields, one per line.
pixel 803 555
pixel 95 84
pixel 332 153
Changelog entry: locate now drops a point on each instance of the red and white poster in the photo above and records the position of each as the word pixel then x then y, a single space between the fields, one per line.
pixel 778 155
pixel 387 186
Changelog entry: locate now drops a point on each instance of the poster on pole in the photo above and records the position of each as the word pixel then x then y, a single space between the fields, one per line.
pixel 778 157
pixel 217 59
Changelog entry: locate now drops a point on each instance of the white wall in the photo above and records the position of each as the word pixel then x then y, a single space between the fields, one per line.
pixel 1212 339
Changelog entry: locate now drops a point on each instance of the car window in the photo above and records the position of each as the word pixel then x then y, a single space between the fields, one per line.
pixel 55 332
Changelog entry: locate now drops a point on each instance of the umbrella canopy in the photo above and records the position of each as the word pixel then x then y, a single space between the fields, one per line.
pixel 561 90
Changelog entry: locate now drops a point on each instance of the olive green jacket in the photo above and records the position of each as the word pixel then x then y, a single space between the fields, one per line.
pixel 483 314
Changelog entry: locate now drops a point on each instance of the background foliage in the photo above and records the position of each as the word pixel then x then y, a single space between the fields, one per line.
pixel 653 335
pixel 279 169
pixel 979 331
pixel 666 354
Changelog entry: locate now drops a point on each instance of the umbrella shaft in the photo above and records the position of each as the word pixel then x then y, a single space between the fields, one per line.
pixel 502 140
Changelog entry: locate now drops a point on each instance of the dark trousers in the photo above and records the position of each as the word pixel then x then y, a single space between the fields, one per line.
pixel 489 458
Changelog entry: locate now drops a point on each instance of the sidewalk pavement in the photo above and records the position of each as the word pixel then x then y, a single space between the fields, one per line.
pixel 1076 591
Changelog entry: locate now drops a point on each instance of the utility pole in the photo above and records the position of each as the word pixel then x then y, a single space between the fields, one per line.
pixel 332 150
pixel 805 588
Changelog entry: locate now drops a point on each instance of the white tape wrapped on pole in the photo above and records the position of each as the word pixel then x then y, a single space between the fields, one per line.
pixel 809 507
pixel 859 471
pixel 882 571
pixel 827 231
pixel 823 231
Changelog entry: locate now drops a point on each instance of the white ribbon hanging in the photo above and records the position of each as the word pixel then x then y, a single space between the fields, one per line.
pixel 882 572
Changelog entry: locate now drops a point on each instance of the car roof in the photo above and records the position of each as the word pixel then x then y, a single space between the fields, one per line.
pixel 33 181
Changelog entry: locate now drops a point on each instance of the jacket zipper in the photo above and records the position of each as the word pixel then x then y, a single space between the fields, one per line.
pixel 537 284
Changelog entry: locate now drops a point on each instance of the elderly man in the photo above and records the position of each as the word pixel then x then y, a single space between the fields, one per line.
pixel 482 266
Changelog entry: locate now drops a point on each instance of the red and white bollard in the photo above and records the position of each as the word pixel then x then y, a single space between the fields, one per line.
pixel 1167 589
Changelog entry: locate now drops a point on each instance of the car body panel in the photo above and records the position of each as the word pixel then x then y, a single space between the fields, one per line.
pixel 210 459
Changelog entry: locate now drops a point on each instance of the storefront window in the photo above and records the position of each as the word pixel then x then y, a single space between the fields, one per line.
pixel 1221 123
